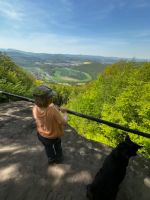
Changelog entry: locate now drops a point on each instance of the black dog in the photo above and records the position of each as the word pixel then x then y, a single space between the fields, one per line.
pixel 106 183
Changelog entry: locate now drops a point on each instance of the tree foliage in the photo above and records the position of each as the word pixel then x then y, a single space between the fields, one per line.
pixel 121 94
pixel 14 79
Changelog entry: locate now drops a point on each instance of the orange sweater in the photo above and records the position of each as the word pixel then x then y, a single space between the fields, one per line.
pixel 49 121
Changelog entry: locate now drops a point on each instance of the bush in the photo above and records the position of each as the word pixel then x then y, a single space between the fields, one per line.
pixel 121 94
pixel 14 79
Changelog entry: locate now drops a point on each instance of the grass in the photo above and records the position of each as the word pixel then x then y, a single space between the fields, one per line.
pixel 69 75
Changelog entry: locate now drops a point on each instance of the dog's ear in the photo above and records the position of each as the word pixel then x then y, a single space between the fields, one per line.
pixel 129 141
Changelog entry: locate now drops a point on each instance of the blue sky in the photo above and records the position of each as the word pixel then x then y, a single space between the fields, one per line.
pixel 95 27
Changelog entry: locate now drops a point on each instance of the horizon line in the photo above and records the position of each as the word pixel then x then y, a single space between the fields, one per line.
pixel 75 54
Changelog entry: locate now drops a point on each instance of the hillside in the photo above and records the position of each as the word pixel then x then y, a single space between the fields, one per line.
pixel 59 68
pixel 13 78
pixel 62 68
pixel 20 56
pixel 17 80
pixel 121 95
pixel 92 68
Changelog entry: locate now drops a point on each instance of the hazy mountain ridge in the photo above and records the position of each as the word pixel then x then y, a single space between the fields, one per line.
pixel 62 57
pixel 61 68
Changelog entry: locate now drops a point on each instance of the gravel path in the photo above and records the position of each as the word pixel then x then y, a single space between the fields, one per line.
pixel 25 175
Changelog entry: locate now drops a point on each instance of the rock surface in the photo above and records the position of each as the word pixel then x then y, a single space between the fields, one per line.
pixel 25 175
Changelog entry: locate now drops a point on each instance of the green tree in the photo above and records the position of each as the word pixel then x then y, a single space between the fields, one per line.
pixel 14 79
pixel 121 94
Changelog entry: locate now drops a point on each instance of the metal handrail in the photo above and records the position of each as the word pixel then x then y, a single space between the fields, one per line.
pixel 114 125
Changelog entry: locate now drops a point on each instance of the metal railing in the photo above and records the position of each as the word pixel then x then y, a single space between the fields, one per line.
pixel 114 125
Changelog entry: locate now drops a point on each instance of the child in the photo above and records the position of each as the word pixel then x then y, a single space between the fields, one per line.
pixel 49 122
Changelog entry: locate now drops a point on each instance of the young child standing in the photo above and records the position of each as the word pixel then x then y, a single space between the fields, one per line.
pixel 50 123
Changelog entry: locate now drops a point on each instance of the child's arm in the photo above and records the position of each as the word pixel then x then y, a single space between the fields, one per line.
pixel 60 118
pixel 63 110
pixel 60 109
pixel 65 116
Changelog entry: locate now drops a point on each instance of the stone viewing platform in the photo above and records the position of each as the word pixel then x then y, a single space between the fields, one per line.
pixel 25 174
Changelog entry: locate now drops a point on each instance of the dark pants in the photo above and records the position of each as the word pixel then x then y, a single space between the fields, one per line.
pixel 52 147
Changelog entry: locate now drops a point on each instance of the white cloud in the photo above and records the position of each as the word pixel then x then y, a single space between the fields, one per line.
pixel 25 18
pixel 10 10
pixel 52 43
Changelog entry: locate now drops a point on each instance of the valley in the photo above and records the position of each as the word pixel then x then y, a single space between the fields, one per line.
pixel 61 68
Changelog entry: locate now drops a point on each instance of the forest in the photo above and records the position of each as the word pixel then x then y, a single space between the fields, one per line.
pixel 120 94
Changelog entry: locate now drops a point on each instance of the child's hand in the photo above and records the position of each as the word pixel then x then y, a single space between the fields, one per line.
pixel 65 116
pixel 63 110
